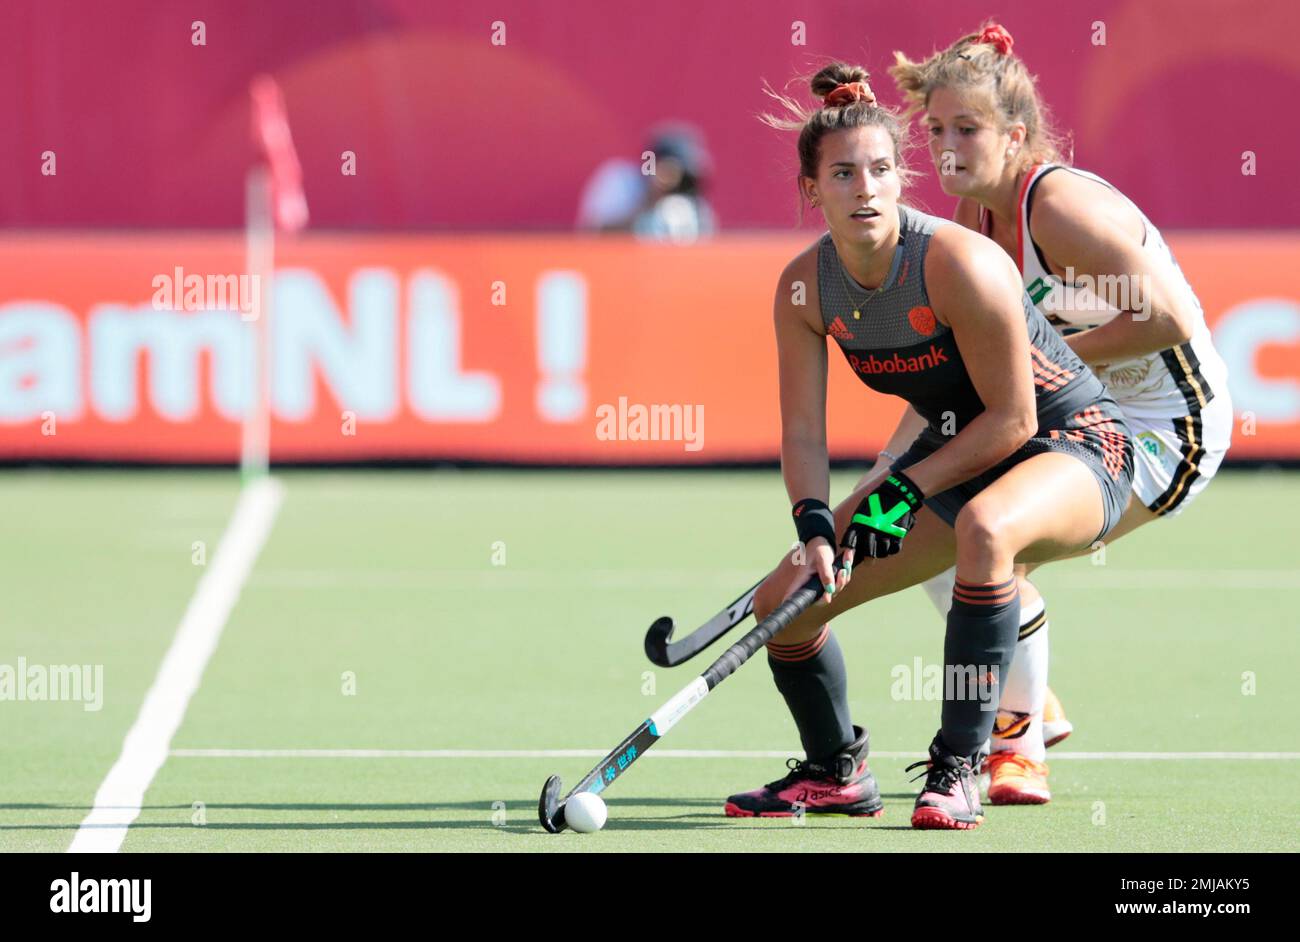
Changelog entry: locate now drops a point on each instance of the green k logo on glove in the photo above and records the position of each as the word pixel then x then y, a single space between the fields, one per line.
pixel 879 519
pixel 875 531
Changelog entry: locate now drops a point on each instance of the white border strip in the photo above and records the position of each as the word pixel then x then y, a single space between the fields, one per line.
pixel 660 753
pixel 117 803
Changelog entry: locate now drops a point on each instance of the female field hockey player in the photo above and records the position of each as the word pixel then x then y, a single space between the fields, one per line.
pixel 1024 455
pixel 1143 333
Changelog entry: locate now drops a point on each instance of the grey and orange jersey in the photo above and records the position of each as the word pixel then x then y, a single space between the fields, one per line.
pixel 896 345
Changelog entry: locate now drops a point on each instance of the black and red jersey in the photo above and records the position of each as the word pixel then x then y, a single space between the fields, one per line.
pixel 894 343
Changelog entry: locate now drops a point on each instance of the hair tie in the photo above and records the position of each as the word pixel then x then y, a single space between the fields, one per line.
pixel 997 37
pixel 848 93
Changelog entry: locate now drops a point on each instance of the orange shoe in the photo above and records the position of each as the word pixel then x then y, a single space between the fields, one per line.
pixel 1055 726
pixel 1016 780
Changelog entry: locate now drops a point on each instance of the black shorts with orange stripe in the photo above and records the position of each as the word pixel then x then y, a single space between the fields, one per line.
pixel 1097 435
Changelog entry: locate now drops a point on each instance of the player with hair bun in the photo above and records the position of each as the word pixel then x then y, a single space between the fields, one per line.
pixel 1036 464
pixel 1099 271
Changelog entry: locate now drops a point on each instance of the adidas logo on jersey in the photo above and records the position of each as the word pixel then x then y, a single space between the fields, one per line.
pixel 839 331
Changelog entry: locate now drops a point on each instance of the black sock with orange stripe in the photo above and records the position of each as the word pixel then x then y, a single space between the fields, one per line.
pixel 811 677
pixel 983 626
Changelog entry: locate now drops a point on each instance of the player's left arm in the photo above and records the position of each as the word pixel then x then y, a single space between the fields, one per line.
pixel 975 289
pixel 1082 225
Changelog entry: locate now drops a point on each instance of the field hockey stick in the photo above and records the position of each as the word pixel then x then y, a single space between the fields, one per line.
pixel 550 808
pixel 664 652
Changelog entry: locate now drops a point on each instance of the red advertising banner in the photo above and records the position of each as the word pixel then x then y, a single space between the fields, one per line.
pixel 516 348
pixel 398 129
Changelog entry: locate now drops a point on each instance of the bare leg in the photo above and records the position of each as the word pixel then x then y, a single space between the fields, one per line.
pixel 927 549
pixel 1031 513
pixel 1135 515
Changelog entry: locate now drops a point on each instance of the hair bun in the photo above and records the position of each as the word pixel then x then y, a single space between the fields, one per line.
pixel 995 35
pixel 847 93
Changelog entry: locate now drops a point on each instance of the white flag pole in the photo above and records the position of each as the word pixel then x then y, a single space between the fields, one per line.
pixel 255 446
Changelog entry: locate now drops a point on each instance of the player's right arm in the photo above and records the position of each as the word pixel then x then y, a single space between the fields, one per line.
pixel 801 358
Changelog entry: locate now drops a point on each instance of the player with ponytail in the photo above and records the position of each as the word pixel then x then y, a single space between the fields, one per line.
pixel 1099 271
pixel 1023 454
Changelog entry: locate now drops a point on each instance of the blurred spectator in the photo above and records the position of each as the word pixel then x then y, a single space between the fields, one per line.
pixel 666 205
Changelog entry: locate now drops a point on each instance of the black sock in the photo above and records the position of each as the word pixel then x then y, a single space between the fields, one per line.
pixel 811 677
pixel 983 625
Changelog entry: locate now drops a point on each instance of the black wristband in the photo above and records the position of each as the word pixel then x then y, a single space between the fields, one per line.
pixel 907 489
pixel 812 518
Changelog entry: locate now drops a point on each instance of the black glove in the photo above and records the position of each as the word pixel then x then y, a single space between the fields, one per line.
pixel 812 518
pixel 883 518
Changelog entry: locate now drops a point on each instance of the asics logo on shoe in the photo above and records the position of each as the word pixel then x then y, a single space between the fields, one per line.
pixel 815 794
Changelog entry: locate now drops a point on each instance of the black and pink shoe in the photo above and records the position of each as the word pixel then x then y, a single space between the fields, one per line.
pixel 950 799
pixel 840 785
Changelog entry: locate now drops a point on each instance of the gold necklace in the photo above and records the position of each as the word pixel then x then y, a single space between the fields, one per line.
pixel 857 308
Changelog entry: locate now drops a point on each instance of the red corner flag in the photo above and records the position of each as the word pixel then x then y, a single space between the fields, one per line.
pixel 271 135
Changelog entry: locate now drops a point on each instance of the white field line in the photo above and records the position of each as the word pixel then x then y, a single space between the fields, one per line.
pixel 117 803
pixel 1113 577
pixel 659 754
pixel 504 578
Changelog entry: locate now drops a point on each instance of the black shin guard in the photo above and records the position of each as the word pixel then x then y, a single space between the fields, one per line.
pixel 811 677
pixel 983 625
